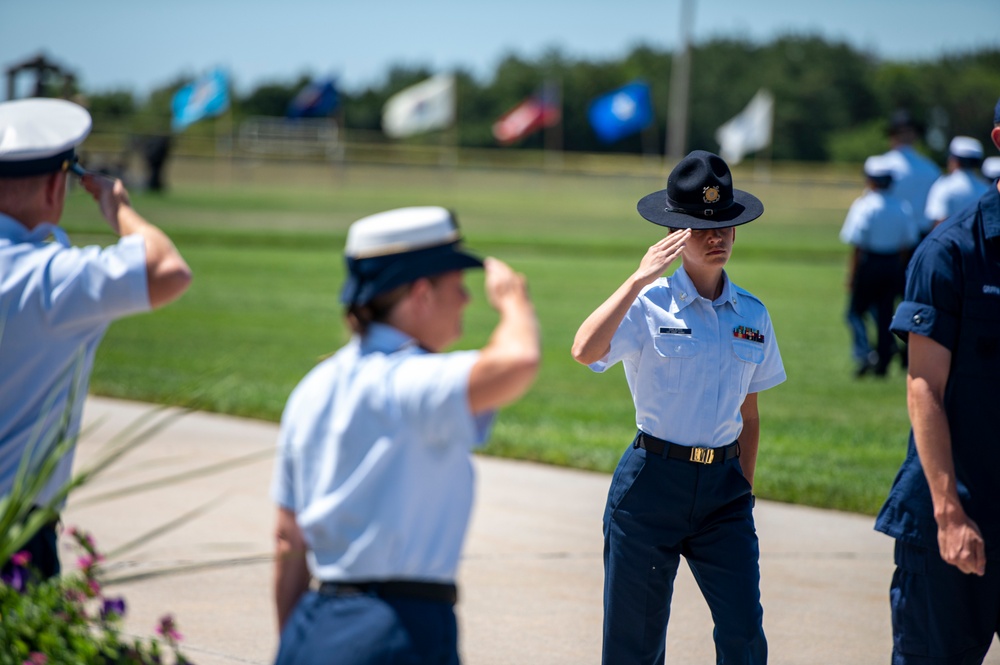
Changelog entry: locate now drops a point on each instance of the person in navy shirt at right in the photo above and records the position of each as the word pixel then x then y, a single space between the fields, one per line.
pixel 942 508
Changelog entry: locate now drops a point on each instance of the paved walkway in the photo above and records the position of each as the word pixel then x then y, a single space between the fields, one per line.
pixel 531 579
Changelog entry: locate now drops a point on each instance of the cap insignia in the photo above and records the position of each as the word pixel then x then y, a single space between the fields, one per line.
pixel 710 194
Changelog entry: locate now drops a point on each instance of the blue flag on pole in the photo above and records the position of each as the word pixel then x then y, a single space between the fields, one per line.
pixel 205 98
pixel 621 112
pixel 317 100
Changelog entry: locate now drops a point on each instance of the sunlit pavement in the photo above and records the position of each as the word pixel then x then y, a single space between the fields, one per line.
pixel 193 507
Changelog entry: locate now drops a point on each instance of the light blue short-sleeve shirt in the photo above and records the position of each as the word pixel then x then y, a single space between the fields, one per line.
pixel 954 192
pixel 374 459
pixel 881 223
pixel 56 302
pixel 691 362
pixel 913 175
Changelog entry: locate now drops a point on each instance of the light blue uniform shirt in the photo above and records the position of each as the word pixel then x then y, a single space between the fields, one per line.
pixel 881 223
pixel 691 362
pixel 953 192
pixel 374 460
pixel 56 302
pixel 912 177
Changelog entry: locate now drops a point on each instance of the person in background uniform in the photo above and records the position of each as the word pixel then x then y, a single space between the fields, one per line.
pixel 882 232
pixel 374 479
pixel 913 174
pixel 696 350
pixel 57 300
pixel 961 186
pixel 991 169
pixel 942 508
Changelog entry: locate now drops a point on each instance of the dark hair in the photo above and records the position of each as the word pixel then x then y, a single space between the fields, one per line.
pixel 880 182
pixel 376 310
pixel 969 162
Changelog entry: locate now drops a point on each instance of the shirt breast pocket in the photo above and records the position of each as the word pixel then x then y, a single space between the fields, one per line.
pixel 747 357
pixel 979 337
pixel 677 355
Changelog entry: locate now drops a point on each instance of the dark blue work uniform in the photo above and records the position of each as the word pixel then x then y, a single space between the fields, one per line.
pixel 939 614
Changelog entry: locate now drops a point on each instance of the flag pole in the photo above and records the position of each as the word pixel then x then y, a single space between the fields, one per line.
pixel 554 133
pixel 680 83
pixel 449 137
pixel 762 167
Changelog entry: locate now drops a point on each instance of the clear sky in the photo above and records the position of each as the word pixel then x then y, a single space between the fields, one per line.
pixel 144 44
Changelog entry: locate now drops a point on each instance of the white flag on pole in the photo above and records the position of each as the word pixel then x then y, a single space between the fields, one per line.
pixel 749 131
pixel 423 107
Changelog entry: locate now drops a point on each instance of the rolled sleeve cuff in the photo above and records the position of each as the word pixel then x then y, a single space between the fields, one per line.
pixel 600 366
pixel 925 320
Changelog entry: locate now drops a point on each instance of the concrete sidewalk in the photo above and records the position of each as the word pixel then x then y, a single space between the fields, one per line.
pixel 531 579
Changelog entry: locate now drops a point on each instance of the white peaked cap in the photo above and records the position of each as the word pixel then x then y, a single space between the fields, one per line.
pixel 38 135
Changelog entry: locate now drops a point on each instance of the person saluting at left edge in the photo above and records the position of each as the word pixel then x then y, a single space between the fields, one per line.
pixel 696 349
pixel 57 300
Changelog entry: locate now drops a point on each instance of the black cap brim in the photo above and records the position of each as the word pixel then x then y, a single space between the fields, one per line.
pixel 388 272
pixel 745 208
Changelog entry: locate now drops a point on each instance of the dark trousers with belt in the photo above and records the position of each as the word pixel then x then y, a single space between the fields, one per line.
pixel 353 626
pixel 658 510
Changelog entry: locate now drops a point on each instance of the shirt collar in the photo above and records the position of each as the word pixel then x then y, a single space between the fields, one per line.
pixel 382 338
pixel 16 232
pixel 684 293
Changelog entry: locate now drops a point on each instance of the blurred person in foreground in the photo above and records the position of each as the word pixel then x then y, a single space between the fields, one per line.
pixel 913 173
pixel 374 479
pixel 57 300
pixel 961 186
pixel 942 508
pixel 882 233
pixel 696 350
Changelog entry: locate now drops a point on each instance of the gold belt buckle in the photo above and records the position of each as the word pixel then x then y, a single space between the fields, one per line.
pixel 703 455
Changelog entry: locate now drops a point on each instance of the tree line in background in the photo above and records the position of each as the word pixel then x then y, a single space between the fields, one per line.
pixel 831 100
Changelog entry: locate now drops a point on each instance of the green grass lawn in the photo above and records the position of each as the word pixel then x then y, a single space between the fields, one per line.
pixel 263 309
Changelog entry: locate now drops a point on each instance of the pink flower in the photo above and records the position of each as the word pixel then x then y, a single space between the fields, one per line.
pixel 168 628
pixel 88 561
pixel 21 559
pixel 83 539
pixel 36 659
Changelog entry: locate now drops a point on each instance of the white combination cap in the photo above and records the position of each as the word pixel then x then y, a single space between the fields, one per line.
pixel 40 135
pixel 966 147
pixel 991 167
pixel 400 230
pixel 879 166
pixel 396 247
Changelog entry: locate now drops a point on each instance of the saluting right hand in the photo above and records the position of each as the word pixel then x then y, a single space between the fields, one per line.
pixel 110 194
pixel 661 255
pixel 503 284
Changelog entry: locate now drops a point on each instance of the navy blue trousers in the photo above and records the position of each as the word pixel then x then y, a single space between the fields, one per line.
pixel 879 280
pixel 658 510
pixel 44 550
pixel 365 629
pixel 940 615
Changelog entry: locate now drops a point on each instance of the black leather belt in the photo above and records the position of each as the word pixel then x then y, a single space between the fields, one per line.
pixel 687 453
pixel 433 591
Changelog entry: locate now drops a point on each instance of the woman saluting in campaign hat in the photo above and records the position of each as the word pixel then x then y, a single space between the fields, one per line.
pixel 696 350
